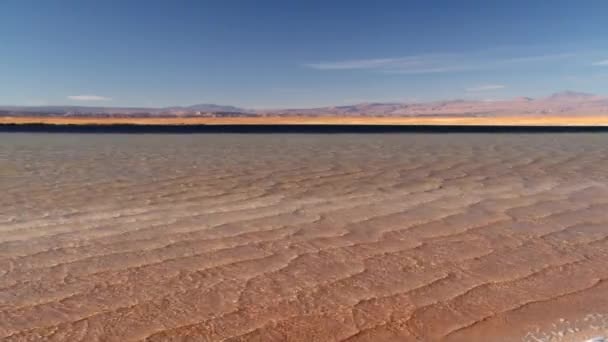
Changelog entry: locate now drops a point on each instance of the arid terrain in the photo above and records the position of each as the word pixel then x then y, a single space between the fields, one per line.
pixel 573 120
pixel 403 237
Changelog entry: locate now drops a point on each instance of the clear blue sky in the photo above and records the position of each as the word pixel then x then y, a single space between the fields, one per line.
pixel 266 54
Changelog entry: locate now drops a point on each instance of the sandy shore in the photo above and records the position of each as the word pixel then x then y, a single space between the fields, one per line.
pixel 562 120
pixel 303 237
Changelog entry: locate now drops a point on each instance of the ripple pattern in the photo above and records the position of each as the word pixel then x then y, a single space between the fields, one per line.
pixel 404 237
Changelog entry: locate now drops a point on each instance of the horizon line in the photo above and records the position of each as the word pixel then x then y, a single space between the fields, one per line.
pixel 477 90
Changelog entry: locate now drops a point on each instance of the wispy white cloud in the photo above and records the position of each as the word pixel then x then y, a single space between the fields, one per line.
pixel 601 63
pixel 538 58
pixel 411 64
pixel 378 63
pixel 485 87
pixel 355 64
pixel 434 63
pixel 89 98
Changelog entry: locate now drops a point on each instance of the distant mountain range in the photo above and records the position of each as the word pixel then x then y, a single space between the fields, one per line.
pixel 199 109
pixel 564 103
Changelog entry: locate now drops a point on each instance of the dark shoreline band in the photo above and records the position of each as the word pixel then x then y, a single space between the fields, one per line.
pixel 269 129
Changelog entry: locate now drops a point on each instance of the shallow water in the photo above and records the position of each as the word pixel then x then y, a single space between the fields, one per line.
pixel 394 237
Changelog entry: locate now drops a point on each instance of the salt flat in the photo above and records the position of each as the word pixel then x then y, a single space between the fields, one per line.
pixel 564 119
pixel 228 237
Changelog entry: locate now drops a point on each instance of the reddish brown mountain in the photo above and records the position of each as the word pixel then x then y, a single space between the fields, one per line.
pixel 564 103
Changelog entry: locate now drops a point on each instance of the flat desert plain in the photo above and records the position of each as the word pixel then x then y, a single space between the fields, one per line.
pixel 305 237
pixel 458 120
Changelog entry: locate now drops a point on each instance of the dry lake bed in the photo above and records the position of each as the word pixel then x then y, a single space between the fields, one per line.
pixel 303 237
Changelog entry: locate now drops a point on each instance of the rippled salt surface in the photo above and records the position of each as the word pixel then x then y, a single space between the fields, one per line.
pixel 412 237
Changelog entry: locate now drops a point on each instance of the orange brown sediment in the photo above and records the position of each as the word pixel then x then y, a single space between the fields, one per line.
pixel 524 120
pixel 468 237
